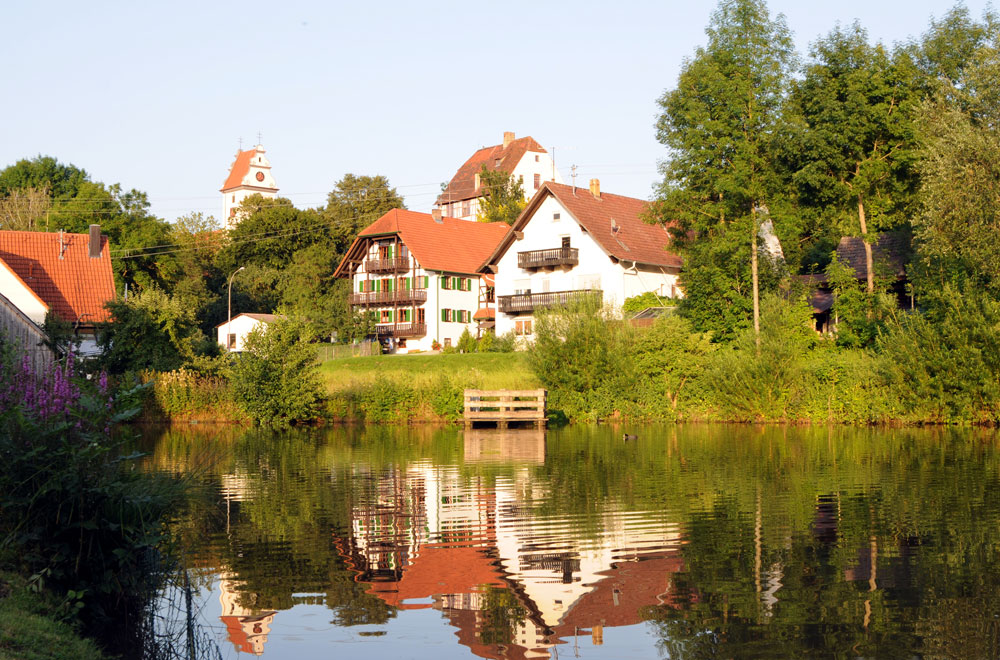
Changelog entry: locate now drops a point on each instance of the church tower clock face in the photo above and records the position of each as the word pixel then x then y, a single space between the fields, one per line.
pixel 260 176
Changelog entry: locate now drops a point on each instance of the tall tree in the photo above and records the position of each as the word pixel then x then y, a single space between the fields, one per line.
pixel 719 123
pixel 354 203
pixel 855 146
pixel 503 198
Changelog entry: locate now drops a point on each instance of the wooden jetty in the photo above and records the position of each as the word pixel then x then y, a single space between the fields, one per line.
pixel 505 407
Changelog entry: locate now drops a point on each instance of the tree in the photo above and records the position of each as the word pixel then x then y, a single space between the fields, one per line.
pixel 855 139
pixel 354 203
pixel 503 196
pixel 270 233
pixel 719 123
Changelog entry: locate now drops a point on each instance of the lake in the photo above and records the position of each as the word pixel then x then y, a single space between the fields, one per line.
pixel 691 541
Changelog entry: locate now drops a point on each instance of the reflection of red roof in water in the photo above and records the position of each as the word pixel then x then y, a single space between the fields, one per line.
pixel 619 598
pixel 439 568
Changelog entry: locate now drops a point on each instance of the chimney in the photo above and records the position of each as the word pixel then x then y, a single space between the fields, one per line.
pixel 477 181
pixel 436 216
pixel 95 241
pixel 595 188
pixel 508 137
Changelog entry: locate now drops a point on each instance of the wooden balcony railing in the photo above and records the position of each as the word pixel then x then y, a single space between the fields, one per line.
pixel 401 330
pixel 389 297
pixel 561 256
pixel 394 265
pixel 527 302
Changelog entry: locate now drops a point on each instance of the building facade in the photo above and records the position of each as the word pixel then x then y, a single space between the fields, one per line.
pixel 232 334
pixel 571 242
pixel 524 158
pixel 416 277
pixel 250 174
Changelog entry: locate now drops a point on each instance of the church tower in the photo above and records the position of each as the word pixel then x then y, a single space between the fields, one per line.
pixel 250 174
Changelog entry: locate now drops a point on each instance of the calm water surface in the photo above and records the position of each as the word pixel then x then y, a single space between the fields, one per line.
pixel 690 542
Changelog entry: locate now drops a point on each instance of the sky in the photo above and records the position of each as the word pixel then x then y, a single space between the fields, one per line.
pixel 157 96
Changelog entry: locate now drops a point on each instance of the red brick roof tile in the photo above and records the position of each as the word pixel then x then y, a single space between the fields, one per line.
pixel 452 245
pixel 241 167
pixel 463 185
pixel 75 287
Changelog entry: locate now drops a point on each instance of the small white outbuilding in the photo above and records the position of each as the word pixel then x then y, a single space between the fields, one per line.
pixel 233 333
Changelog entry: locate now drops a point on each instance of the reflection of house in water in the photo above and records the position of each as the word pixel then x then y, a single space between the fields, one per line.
pixel 246 628
pixel 513 583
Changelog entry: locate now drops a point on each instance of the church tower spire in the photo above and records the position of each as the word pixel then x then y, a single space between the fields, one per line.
pixel 250 174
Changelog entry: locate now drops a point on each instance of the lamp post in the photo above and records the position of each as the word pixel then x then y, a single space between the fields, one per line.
pixel 229 307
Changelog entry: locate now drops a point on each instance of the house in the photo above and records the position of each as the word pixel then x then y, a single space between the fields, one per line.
pixel 417 276
pixel 250 174
pixel 570 241
pixel 24 335
pixel 523 157
pixel 66 274
pixel 232 334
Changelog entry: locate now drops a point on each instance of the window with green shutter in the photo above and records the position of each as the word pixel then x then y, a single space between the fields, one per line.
pixel 378 286
pixel 361 286
pixel 426 281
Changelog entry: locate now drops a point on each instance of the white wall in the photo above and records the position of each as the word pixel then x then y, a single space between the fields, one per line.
pixel 23 298
pixel 231 199
pixel 241 327
pixel 595 270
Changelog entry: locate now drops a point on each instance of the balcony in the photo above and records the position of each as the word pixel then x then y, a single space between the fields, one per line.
pixel 401 297
pixel 401 330
pixel 529 302
pixel 394 265
pixel 561 256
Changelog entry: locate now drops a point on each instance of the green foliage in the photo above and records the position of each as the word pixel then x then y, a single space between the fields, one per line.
pixel 466 342
pixel 448 399
pixel 150 330
pixel 503 196
pixel 945 365
pixel 274 380
pixel 636 304
pixel 487 342
pixel 669 358
pixel 747 384
pixel 387 401
pixel 355 202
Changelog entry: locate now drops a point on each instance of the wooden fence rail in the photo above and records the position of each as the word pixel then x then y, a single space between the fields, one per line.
pixel 502 407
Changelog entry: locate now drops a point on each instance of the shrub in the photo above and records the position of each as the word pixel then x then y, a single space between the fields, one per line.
pixel 636 304
pixel 466 342
pixel 387 401
pixel 505 343
pixel 447 399
pixel 487 343
pixel 275 381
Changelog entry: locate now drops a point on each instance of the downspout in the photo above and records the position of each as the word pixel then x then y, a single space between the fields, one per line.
pixel 635 271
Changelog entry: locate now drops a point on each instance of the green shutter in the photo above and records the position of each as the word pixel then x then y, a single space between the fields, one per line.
pixel 442 314
pixel 391 249
pixel 361 286
pixel 391 316
pixel 426 281
pixel 378 286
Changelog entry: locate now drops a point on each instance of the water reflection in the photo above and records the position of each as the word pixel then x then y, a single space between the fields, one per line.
pixel 690 542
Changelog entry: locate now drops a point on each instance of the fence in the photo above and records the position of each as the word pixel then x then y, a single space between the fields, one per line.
pixel 339 351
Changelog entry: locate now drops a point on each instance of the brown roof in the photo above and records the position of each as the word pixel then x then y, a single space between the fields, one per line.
pixel 889 252
pixel 75 287
pixel 463 184
pixel 452 245
pixel 614 221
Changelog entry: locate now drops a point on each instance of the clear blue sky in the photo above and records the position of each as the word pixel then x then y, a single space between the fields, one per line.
pixel 156 95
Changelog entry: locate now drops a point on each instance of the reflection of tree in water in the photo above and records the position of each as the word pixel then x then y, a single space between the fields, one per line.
pixel 502 614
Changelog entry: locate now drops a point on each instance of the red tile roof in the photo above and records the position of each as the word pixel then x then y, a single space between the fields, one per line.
pixel 241 167
pixel 463 184
pixel 614 221
pixel 451 245
pixel 75 287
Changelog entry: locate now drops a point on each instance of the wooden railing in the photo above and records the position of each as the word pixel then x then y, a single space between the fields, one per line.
pixel 561 256
pixel 504 406
pixel 527 302
pixel 389 297
pixel 393 265
pixel 401 330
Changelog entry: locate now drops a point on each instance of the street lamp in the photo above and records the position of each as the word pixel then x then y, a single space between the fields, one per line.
pixel 229 307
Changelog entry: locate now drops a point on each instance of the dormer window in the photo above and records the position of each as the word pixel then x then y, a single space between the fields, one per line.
pixel 496 163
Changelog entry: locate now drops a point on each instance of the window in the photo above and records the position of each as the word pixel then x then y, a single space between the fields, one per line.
pixel 496 164
pixel 447 341
pixel 405 315
pixel 446 314
pixel 445 282
pixel 234 198
pixel 231 341
pixel 555 217
pixel 522 286
pixel 536 158
pixel 403 284
pixel 421 319
pixel 465 208
pixel 386 316
pixel 522 327
pixel 565 241
pixel 538 181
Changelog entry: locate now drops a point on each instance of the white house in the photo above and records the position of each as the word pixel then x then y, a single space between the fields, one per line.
pixel 523 157
pixel 250 174
pixel 232 334
pixel 569 240
pixel 417 276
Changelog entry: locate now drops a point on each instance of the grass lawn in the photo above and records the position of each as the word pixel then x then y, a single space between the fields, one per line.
pixel 482 370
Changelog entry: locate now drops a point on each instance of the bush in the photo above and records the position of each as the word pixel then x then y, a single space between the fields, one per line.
pixel 275 381
pixel 448 399
pixel 466 342
pixel 387 401
pixel 636 304
pixel 487 343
